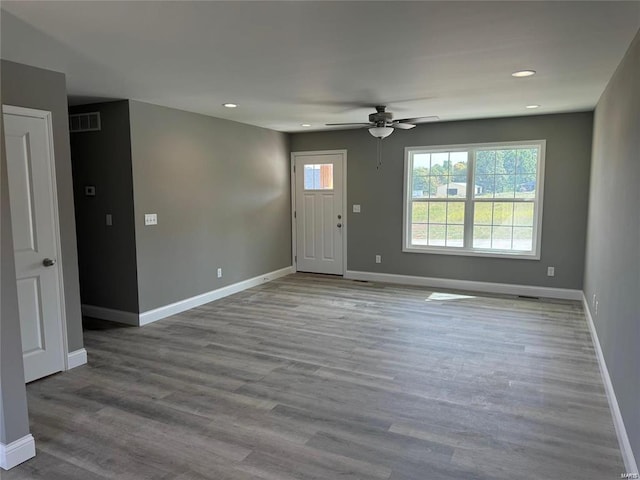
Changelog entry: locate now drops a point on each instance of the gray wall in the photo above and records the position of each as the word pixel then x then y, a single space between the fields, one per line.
pixel 106 255
pixel 612 268
pixel 14 423
pixel 222 194
pixel 378 229
pixel 32 87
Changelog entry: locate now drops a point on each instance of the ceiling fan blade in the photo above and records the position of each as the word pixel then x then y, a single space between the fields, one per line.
pixel 340 124
pixel 432 118
pixel 402 126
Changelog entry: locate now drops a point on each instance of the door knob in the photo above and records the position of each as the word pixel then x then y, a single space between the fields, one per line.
pixel 339 225
pixel 48 262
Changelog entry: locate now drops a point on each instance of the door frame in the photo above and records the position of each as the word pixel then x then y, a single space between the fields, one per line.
pixel 345 223
pixel 47 117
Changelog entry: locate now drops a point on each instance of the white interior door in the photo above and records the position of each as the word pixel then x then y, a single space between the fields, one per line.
pixel 31 198
pixel 320 212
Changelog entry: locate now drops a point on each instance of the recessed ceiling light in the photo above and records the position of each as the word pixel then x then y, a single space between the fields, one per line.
pixel 523 73
pixel 532 106
pixel 229 105
pixel 305 124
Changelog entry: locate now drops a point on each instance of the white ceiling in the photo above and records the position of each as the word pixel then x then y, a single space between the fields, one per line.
pixel 287 63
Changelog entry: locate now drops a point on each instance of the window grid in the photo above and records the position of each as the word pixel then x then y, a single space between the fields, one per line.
pixel 445 223
pixel 509 232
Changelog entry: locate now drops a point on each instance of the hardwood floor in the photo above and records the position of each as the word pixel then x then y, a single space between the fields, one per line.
pixel 316 377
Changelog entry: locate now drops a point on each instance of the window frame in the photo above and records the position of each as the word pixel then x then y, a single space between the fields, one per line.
pixel 470 201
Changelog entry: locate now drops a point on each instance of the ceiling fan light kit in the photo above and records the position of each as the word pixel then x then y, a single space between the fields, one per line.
pixel 381 132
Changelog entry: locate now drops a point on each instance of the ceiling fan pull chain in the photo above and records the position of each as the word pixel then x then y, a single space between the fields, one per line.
pixel 379 153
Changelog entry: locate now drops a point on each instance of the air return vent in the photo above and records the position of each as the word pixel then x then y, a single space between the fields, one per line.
pixel 84 122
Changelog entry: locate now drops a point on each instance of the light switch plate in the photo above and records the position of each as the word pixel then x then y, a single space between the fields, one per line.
pixel 150 218
pixel 109 220
pixel 90 191
pixel 356 209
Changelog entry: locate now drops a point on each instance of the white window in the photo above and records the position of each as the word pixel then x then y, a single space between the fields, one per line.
pixel 481 199
pixel 318 176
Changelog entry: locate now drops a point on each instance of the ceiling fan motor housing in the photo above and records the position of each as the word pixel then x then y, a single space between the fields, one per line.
pixel 381 118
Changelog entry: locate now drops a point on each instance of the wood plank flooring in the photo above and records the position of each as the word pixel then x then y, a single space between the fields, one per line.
pixel 316 377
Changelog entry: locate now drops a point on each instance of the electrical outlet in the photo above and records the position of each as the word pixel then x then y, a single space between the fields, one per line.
pixel 90 191
pixel 356 208
pixel 593 300
pixel 150 218
pixel 596 309
pixel 378 258
pixel 219 273
pixel 551 271
pixel 109 220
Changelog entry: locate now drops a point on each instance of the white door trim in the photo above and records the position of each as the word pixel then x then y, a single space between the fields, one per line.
pixel 345 223
pixel 46 116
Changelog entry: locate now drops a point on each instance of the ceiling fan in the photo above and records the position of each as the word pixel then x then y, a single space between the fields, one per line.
pixel 381 124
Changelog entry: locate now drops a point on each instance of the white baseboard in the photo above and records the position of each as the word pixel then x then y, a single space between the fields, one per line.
pixel 138 320
pixel 119 316
pixel 623 439
pixel 188 303
pixel 452 284
pixel 76 358
pixel 17 452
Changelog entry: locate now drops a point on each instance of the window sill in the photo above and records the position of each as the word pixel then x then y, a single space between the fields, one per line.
pixel 472 253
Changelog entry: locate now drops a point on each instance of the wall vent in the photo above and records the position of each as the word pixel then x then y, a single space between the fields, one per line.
pixel 84 122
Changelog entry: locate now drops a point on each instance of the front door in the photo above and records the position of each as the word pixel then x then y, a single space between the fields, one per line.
pixel 33 217
pixel 319 212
